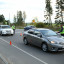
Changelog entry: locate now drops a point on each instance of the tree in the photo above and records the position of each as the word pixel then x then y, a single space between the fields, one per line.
pixel 40 25
pixel 2 19
pixel 15 19
pixel 49 10
pixel 19 18
pixel 60 9
pixel 24 16
pixel 61 3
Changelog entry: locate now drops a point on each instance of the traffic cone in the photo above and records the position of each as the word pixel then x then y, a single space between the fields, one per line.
pixel 20 34
pixel 10 43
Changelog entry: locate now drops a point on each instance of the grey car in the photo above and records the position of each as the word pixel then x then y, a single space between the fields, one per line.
pixel 47 39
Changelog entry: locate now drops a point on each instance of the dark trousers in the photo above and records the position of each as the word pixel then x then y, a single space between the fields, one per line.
pixel 14 31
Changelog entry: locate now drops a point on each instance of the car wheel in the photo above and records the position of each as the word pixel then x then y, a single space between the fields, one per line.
pixel 25 41
pixel 11 34
pixel 44 47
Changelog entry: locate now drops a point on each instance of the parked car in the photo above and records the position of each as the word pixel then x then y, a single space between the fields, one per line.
pixel 47 39
pixel 28 27
pixel 5 29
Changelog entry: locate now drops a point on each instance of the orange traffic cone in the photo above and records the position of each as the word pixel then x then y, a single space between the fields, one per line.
pixel 10 43
pixel 20 34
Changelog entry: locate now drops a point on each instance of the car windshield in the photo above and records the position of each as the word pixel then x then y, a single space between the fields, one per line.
pixel 5 27
pixel 48 32
pixel 33 26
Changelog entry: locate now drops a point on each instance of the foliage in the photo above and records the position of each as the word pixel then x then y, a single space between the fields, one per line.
pixel 49 10
pixel 24 16
pixel 15 19
pixel 40 25
pixel 6 21
pixel 60 3
pixel 19 18
pixel 3 21
pixel 48 7
pixel 60 9
pixel 2 18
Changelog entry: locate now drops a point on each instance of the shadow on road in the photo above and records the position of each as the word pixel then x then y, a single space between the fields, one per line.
pixel 49 52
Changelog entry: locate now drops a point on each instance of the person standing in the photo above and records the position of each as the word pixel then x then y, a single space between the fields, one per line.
pixel 13 27
pixel 62 30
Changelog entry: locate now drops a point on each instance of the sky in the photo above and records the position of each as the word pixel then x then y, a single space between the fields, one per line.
pixel 33 8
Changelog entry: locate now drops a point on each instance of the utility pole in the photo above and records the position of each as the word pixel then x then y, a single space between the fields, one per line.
pixel 9 18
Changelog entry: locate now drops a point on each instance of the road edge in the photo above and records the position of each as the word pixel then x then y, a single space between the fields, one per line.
pixel 5 60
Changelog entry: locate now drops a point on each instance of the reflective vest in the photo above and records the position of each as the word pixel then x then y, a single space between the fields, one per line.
pixel 62 31
pixel 13 27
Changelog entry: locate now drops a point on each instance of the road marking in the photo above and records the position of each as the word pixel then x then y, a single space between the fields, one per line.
pixel 26 52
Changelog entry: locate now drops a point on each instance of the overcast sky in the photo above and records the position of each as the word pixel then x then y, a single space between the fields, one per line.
pixel 33 8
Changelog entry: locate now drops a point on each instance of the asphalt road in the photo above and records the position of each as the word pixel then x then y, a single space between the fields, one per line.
pixel 18 53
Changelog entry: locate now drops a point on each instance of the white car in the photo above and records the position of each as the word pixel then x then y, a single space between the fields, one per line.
pixel 6 29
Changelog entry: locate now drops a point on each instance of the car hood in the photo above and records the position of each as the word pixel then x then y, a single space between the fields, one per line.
pixel 7 29
pixel 56 38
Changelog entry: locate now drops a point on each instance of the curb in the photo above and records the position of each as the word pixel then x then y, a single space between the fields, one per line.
pixel 5 60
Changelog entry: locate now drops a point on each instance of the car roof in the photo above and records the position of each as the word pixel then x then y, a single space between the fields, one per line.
pixel 41 29
pixel 4 25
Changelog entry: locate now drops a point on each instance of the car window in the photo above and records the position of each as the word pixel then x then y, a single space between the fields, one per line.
pixel 5 27
pixel 48 33
pixel 36 32
pixel 31 31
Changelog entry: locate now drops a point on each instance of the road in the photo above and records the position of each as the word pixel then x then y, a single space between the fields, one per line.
pixel 18 53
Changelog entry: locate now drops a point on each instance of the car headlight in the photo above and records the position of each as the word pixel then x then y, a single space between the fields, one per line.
pixel 52 42
pixel 11 30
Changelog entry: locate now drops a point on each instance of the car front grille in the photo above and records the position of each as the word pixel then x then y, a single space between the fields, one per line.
pixel 8 31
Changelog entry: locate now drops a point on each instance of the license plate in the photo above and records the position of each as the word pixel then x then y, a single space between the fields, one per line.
pixel 8 32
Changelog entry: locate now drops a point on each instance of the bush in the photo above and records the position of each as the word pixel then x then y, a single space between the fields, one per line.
pixel 40 25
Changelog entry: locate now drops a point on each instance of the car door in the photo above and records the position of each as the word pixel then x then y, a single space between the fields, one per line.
pixel 36 40
pixel 30 36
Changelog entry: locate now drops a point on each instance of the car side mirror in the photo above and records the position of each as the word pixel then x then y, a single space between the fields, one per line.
pixel 39 35
pixel 31 32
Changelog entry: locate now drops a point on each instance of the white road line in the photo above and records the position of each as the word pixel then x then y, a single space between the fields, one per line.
pixel 26 52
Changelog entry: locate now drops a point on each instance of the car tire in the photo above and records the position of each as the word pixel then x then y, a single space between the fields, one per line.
pixel 11 34
pixel 25 41
pixel 44 47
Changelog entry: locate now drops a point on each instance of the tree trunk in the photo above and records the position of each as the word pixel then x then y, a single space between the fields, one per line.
pixel 61 15
pixel 50 22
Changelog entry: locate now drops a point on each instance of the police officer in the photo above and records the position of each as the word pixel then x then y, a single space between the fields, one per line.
pixel 13 27
pixel 62 30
